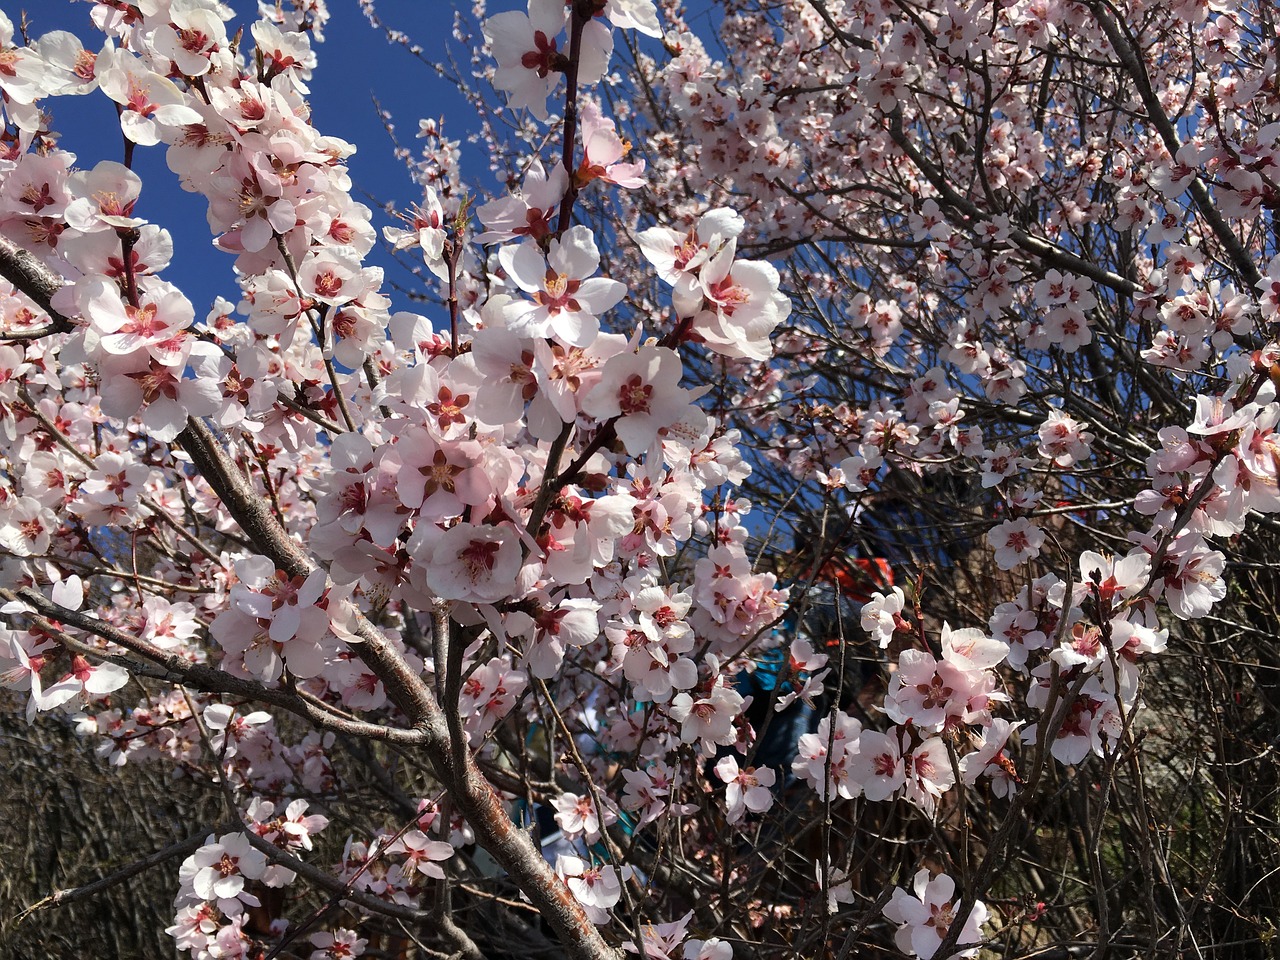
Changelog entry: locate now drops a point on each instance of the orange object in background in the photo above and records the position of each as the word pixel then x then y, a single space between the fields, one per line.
pixel 858 577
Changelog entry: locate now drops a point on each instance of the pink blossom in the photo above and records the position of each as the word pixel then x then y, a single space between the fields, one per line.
pixel 427 229
pixel 660 940
pixel 642 390
pixel 597 887
pixel 489 694
pixel 707 718
pixel 734 304
pixel 469 562
pixel 578 816
pixel 194 39
pixel 567 300
pixel 747 788
pixel 1063 440
pixel 25 77
pixel 218 871
pixel 876 766
pixel 929 773
pixel 882 615
pixel 422 854
pixel 648 791
pixel 151 105
pixel 926 916
pixel 103 198
pixel 603 152
pixel 988 758
pixel 1015 542
pixel 528 212
pixel 527 50
pixel 673 254
pixel 823 757
pixel 333 276
pixel 340 944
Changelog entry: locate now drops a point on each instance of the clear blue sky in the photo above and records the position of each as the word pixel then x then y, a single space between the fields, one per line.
pixel 355 64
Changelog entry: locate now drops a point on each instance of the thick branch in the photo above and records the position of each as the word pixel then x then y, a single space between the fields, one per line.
pixel 38 282
pixel 476 798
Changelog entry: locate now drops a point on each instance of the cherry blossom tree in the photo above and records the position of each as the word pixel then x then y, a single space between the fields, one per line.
pixel 823 509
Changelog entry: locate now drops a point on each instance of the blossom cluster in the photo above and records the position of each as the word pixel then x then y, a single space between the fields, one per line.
pixel 518 527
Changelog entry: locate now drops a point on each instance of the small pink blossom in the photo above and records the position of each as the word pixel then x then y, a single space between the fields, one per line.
pixel 926 916
pixel 747 788
pixel 1015 542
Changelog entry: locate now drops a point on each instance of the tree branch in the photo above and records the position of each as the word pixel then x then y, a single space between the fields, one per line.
pixel 60 898
pixel 38 282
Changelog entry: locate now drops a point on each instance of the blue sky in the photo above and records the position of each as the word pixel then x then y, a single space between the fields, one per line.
pixel 355 63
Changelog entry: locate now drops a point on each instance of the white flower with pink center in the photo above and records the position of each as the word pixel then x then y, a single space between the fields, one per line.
pixel 527 50
pixel 929 773
pixel 287 601
pixel 159 394
pixel 642 390
pixel 988 758
pixel 876 764
pixel 708 718
pixel 193 38
pixel 674 254
pixel 573 622
pixel 648 791
pixel 218 871
pixel 227 727
pixel 24 77
pixel 1063 439
pixel 747 788
pixel 566 300
pixel 506 364
pixel 734 305
pixel 340 944
pixel 1001 464
pixel 440 480
pixel 1110 578
pixel 488 695
pixel 26 527
pixel 104 198
pixel 332 275
pixel 151 105
pixel 918 693
pixel 604 153
pixel 970 649
pixel 1191 577
pixel 1015 541
pixel 469 561
pixel 926 918
pixel 812 752
pixel 426 228
pixel 566 375
pixel 660 941
pixel 578 816
pixel 529 212
pixel 882 615
pixel 598 887
pixel 155 329
pixel 422 855
pixel 531 54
